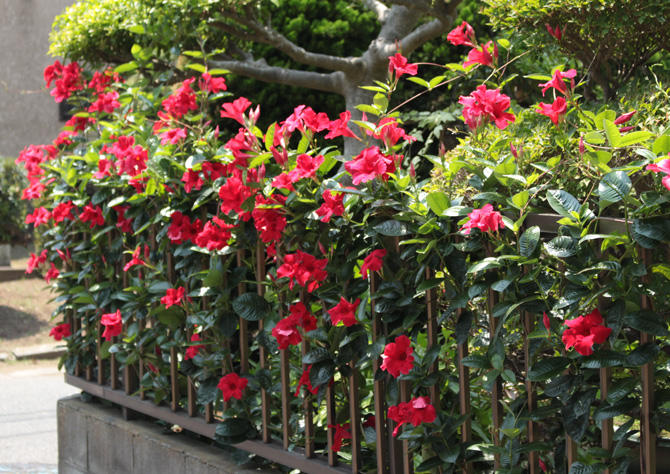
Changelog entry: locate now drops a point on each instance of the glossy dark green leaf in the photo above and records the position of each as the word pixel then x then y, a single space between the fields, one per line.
pixel 251 306
pixel 528 241
pixel 547 368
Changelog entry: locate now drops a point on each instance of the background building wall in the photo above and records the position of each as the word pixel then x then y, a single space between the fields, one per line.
pixel 28 114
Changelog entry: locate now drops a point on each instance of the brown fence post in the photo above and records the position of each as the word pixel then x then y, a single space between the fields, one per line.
pixel 378 390
pixel 647 431
pixel 533 458
pixel 262 353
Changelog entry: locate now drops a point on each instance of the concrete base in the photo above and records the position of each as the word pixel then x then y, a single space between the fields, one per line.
pixel 96 439
pixel 5 255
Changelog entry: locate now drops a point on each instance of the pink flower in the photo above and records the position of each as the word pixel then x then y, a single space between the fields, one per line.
pixel 38 217
pixel 339 127
pixel 390 133
pixel 345 312
pixel 52 273
pixel 34 261
pixel 212 84
pixel 173 297
pixel 554 110
pixel 373 262
pixel 306 382
pixel 543 466
pixel 398 358
pixel 306 167
pixel 463 34
pixel 485 105
pixel 181 101
pixel 557 81
pixel 172 136
pixel 399 64
pixel 662 166
pixel 584 331
pixel 547 322
pixel 235 110
pixel 371 163
pixel 481 55
pixel 135 260
pixel 113 323
pixel 106 102
pixel 104 169
pixel 332 205
pixel 484 219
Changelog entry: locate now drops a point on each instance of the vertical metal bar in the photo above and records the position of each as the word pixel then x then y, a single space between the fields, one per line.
pixel 355 419
pixel 431 327
pixel 647 432
pixel 174 382
pixel 262 353
pixel 533 457
pixel 407 461
pixel 379 392
pixel 307 409
pixel 330 421
pixel 285 400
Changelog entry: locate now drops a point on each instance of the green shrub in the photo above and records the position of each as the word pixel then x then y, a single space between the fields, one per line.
pixel 12 208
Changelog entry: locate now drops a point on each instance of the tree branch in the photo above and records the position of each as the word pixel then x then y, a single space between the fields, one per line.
pixel 378 8
pixel 268 35
pixel 261 71
pixel 422 34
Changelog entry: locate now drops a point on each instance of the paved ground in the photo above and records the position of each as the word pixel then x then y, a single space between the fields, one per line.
pixel 28 394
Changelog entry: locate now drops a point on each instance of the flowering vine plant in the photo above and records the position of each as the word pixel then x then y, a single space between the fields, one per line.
pixel 164 202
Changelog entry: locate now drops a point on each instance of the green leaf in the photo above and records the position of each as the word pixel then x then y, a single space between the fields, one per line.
pixel 196 67
pixel 520 199
pixel 528 241
pixel 661 145
pixel 602 359
pixel 317 354
pixel 612 133
pixel 251 306
pixel 633 138
pixel 610 411
pixel 477 361
pixel 438 202
pixel 159 287
pixel 663 269
pixel 233 428
pixel 563 202
pixel 137 29
pixel 269 136
pixel 562 246
pixel 595 138
pixel 485 264
pixel 614 187
pixel 172 317
pixel 126 67
pixel 621 388
pixel 642 355
pixel 647 321
pixel 391 228
pixel 547 368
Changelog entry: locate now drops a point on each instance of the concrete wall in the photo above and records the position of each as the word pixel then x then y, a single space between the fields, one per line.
pixel 28 114
pixel 96 439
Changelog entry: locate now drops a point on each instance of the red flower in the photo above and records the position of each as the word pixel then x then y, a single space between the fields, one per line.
pixel 104 169
pixel 339 127
pixel 283 181
pixel 306 382
pixel 341 433
pixel 484 219
pixel 34 261
pixel 212 84
pixel 306 167
pixel 192 351
pixel 370 164
pixel 235 110
pixel 304 269
pixel 554 110
pixel 345 312
pixel 38 217
pixel 390 133
pixel 543 466
pixel 584 331
pixel 398 358
pixel 92 214
pixel 113 323
pixel 463 34
pixel 268 219
pixel 52 273
pixel 486 105
pixel 399 64
pixel 233 193
pixel 181 101
pixel 286 332
pixel 332 205
pixel 373 262
pixel 416 411
pixel 135 260
pixel 215 235
pixel 481 55
pixel 231 385
pixel 370 422
pixel 60 331
pixel 63 211
pixel 123 223
pixel 192 179
pixel 181 229
pixel 106 102
pixel 557 81
pixel 173 297
pixel 67 80
pixel 555 32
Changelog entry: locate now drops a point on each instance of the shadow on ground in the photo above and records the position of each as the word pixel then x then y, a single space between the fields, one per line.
pixel 15 324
